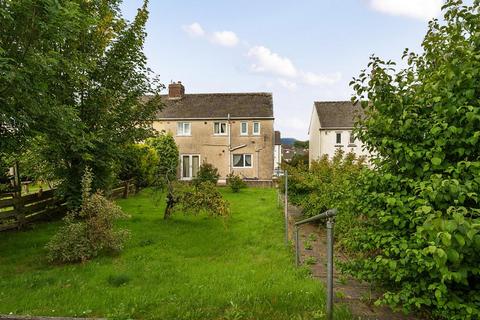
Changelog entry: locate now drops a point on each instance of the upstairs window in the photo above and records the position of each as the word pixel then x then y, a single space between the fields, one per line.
pixel 244 128
pixel 352 138
pixel 256 128
pixel 184 129
pixel 220 128
pixel 338 138
pixel 242 160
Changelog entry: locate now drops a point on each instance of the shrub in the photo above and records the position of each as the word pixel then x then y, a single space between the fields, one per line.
pixel 235 182
pixel 139 162
pixel 207 173
pixel 88 231
pixel 204 197
pixel 419 213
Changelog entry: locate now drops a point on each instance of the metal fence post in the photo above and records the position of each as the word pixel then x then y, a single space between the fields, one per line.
pixel 286 207
pixel 297 248
pixel 330 224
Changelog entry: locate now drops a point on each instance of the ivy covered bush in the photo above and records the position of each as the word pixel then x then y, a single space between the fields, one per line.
pixel 203 197
pixel 419 211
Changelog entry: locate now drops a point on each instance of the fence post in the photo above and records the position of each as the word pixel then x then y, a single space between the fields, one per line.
pixel 125 190
pixel 297 247
pixel 286 207
pixel 17 197
pixel 330 224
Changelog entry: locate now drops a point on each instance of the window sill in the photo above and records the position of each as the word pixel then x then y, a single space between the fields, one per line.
pixel 339 146
pixel 183 135
pixel 352 145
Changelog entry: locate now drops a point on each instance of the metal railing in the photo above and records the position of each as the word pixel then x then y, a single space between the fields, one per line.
pixel 330 216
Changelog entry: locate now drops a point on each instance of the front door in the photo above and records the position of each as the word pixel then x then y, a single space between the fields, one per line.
pixel 190 166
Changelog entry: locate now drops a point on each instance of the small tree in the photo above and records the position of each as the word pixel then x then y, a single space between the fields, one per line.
pixel 139 162
pixel 166 174
pixel 203 197
pixel 207 173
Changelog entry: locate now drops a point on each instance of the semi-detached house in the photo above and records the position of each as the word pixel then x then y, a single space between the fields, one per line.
pixel 232 131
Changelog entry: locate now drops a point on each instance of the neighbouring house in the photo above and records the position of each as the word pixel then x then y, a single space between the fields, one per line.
pixel 277 154
pixel 331 126
pixel 232 131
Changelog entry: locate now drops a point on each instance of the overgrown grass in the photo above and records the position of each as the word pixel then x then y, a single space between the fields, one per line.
pixel 185 268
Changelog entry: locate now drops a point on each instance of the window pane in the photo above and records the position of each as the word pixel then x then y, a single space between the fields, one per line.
pixel 238 160
pixel 195 165
pixel 256 127
pixel 248 160
pixel 186 166
pixel 180 128
pixel 352 138
pixel 223 127
pixel 339 138
pixel 186 129
pixel 216 128
pixel 244 128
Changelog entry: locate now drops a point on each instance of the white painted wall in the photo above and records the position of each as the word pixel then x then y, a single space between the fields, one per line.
pixel 314 137
pixel 277 158
pixel 329 145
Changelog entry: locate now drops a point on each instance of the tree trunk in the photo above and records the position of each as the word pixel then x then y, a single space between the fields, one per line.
pixel 170 204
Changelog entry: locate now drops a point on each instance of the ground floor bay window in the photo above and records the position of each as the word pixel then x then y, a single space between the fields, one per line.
pixel 242 161
pixel 190 164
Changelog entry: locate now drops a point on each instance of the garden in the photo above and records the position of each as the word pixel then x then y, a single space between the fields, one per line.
pixel 187 267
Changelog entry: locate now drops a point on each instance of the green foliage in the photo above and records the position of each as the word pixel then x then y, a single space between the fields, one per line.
pixel 299 160
pixel 235 182
pixel 308 245
pixel 139 162
pixel 74 74
pixel 329 183
pixel 310 261
pixel 206 173
pixel 88 231
pixel 419 218
pixel 203 197
pixel 118 280
pixel 168 157
pixel 301 144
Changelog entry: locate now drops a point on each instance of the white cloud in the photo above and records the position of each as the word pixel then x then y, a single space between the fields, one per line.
pixel 194 30
pixel 314 79
pixel 418 9
pixel 225 38
pixel 290 85
pixel 266 61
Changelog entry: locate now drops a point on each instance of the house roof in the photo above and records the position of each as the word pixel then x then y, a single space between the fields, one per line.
pixel 218 106
pixel 337 114
pixel 278 138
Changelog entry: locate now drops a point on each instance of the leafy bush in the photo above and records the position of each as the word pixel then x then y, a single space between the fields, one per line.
pixel 419 214
pixel 206 173
pixel 329 183
pixel 204 197
pixel 88 231
pixel 235 182
pixel 139 162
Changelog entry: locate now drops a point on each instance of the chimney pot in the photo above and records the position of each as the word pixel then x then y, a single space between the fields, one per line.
pixel 176 90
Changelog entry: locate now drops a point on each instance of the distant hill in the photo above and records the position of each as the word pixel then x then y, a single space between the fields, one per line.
pixel 288 141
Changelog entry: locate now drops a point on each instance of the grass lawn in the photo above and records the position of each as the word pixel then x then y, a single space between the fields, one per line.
pixel 190 267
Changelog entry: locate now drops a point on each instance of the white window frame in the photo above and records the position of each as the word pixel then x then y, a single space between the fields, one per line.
pixel 190 169
pixel 219 127
pixel 243 154
pixel 256 133
pixel 244 133
pixel 352 138
pixel 183 132
pixel 336 138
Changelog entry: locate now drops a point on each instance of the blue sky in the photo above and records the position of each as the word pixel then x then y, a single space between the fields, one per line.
pixel 302 51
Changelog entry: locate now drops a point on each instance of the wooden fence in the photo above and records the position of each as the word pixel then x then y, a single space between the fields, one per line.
pixel 16 210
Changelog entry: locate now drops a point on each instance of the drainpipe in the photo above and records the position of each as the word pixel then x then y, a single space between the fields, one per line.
pixel 229 145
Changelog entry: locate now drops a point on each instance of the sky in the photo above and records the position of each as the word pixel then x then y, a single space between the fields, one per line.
pixel 301 51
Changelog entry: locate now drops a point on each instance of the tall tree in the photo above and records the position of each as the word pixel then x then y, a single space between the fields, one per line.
pixel 74 72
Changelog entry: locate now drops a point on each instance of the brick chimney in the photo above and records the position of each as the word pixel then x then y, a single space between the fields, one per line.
pixel 176 90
